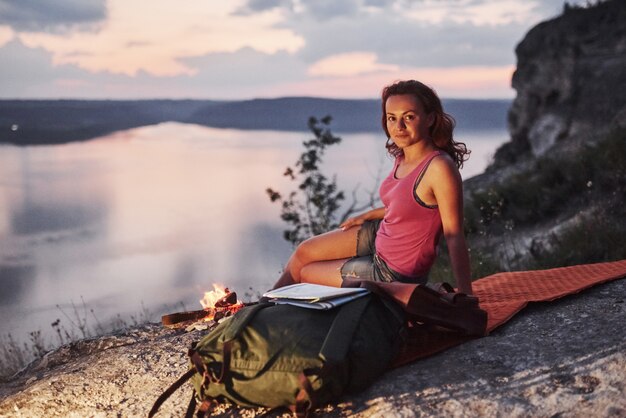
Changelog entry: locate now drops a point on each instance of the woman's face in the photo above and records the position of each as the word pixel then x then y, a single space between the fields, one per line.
pixel 407 122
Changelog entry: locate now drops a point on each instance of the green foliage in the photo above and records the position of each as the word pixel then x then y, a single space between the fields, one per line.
pixel 592 240
pixel 311 210
pixel 592 178
pixel 549 187
pixel 482 263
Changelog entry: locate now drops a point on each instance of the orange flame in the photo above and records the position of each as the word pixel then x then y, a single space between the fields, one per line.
pixel 209 299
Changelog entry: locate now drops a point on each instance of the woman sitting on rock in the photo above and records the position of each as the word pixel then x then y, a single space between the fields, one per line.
pixel 422 198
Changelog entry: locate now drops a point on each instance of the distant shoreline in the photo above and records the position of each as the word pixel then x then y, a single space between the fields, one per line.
pixel 47 122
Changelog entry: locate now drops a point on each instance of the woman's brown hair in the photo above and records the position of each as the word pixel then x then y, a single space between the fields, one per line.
pixel 442 127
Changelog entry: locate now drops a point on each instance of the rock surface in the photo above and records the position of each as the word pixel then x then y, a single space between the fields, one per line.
pixel 565 358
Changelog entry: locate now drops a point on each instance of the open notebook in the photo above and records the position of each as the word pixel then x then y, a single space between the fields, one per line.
pixel 314 296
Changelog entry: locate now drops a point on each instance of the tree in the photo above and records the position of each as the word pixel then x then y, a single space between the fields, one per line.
pixel 312 208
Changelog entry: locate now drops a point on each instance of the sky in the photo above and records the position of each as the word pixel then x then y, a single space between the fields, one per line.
pixel 242 49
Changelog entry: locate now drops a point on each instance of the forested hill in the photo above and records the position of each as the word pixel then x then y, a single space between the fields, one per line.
pixel 348 115
pixel 28 122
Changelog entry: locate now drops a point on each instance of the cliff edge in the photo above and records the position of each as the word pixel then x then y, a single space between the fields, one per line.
pixel 570 81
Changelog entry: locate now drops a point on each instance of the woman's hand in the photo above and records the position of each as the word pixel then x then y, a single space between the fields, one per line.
pixel 377 213
pixel 354 221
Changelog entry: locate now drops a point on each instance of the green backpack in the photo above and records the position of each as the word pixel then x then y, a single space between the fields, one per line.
pixel 285 356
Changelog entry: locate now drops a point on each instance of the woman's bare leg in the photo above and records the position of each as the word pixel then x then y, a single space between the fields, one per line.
pixel 327 273
pixel 333 245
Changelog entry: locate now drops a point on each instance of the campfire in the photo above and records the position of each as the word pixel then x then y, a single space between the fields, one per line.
pixel 217 304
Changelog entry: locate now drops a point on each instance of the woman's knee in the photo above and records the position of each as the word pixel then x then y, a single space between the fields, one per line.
pixel 307 250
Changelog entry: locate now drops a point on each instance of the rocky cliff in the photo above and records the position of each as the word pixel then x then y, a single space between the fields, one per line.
pixel 570 81
pixel 554 194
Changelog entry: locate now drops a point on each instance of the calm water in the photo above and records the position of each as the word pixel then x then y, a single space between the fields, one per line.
pixel 155 215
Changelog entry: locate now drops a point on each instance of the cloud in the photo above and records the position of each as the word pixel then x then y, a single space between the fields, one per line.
pixel 30 70
pixel 401 41
pixel 50 15
pixel 449 82
pixel 157 42
pixel 349 64
pixel 473 12
pixel 331 9
pixel 478 12
pixel 317 9
pixel 243 74
pixel 427 33
pixel 6 35
pixel 378 3
pixel 254 6
pixel 238 75
pixel 32 74
pixel 268 48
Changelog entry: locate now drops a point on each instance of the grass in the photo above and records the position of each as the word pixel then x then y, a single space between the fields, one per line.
pixel 601 237
pixel 551 186
pixel 73 324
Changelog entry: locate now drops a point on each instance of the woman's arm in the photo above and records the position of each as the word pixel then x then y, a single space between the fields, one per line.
pixel 377 213
pixel 447 188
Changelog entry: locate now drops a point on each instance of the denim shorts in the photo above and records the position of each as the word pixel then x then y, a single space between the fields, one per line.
pixel 367 264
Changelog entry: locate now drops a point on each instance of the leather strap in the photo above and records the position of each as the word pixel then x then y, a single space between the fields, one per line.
pixel 169 391
pixel 192 405
pixel 305 397
pixel 432 304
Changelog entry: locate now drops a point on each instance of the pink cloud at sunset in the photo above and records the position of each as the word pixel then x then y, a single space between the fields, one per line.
pixel 467 82
pixel 260 48
pixel 131 40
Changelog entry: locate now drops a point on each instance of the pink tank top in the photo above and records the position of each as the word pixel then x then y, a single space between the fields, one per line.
pixel 409 233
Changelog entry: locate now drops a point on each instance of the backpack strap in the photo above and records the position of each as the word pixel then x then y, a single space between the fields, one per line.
pixel 243 318
pixel 169 391
pixel 339 337
pixel 334 349
pixel 239 322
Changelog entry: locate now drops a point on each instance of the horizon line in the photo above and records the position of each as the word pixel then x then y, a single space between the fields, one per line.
pixel 230 100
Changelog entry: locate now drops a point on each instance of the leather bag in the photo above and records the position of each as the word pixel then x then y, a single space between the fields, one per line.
pixel 432 304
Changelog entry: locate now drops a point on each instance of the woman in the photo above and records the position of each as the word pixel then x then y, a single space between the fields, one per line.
pixel 422 199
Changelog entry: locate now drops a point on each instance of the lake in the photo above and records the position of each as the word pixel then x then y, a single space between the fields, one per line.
pixel 150 218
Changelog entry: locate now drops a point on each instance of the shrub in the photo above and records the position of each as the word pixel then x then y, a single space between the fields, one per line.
pixel 592 178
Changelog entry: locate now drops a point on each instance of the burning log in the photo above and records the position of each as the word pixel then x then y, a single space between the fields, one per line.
pixel 218 304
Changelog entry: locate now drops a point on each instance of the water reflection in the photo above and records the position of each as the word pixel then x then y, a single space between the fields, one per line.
pixel 15 281
pixel 261 253
pixel 155 215
pixel 52 194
